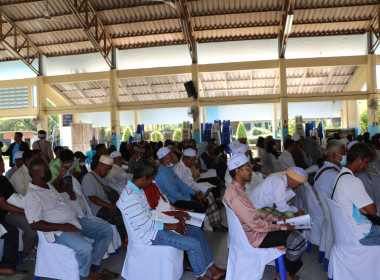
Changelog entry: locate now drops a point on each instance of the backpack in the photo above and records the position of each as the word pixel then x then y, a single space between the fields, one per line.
pixel 296 244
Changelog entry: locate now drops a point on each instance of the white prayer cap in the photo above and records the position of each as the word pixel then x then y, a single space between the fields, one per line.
pixel 240 149
pixel 18 155
pixel 115 154
pixel 296 137
pixel 162 152
pixel 236 161
pixel 106 160
pixel 234 144
pixel 189 153
pixel 351 144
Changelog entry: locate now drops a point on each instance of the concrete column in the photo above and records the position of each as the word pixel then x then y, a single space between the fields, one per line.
pixel 204 115
pixel 274 120
pixel 76 118
pixel 114 110
pixel 137 118
pixel 373 99
pixel 283 99
pixel 41 104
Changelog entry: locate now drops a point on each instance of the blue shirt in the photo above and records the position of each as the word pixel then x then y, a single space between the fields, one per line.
pixel 171 185
pixel 16 148
pixel 326 181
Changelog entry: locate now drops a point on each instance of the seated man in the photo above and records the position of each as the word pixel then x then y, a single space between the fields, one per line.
pixel 49 211
pixel 286 159
pixel 101 149
pixel 101 197
pixel 349 192
pixel 82 164
pixel 297 153
pixel 137 153
pixel 182 170
pixel 10 254
pixel 134 205
pixel 260 228
pixel 19 163
pixel 57 152
pixel 336 158
pixel 275 190
pixel 178 193
pixel 20 180
pixel 14 215
pixel 117 177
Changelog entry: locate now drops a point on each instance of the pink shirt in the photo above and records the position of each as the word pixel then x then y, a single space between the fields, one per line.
pixel 256 225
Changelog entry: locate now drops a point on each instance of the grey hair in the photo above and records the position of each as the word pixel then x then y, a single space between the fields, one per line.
pixel 332 146
pixel 34 165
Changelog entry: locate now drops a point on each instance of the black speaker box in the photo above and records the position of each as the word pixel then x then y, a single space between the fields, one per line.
pixel 190 89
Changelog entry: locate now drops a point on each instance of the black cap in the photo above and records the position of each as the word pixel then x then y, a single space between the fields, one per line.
pixel 80 155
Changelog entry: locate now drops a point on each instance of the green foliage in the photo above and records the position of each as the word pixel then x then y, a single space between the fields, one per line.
pixel 156 136
pixel 241 131
pixel 4 148
pixel 257 131
pixel 292 126
pixel 363 115
pixel 127 133
pixel 177 135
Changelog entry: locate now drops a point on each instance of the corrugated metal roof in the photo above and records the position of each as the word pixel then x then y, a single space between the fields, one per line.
pixel 137 24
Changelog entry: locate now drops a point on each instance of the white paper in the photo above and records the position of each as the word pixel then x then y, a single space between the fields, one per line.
pixel 161 217
pixel 196 219
pixel 71 167
pixel 2 230
pixel 15 200
pixel 164 206
pixel 300 222
pixel 208 174
pixel 205 186
pixel 312 169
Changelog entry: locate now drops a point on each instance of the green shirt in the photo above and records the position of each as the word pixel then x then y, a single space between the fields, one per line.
pixel 56 166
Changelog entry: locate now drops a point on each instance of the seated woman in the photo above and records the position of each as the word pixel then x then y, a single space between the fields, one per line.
pixel 133 204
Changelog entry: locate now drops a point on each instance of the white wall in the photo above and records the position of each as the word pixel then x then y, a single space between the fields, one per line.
pixel 11 70
pixel 165 116
pixel 103 119
pixel 251 112
pixel 328 109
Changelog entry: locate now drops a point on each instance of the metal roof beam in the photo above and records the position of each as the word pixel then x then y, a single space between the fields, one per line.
pixel 285 27
pixel 187 29
pixel 93 27
pixel 375 31
pixel 9 38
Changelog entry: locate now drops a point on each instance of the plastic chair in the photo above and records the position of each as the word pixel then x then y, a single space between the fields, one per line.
pixel 313 208
pixel 327 239
pixel 375 178
pixel 367 184
pixel 165 262
pixel 349 259
pixel 245 261
pixel 55 260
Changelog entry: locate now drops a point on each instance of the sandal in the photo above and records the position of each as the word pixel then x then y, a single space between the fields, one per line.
pixel 109 274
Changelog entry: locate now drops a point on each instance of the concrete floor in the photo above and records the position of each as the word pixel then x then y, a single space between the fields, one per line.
pixel 311 269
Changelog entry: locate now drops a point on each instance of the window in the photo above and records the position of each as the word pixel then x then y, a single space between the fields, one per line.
pixel 13 98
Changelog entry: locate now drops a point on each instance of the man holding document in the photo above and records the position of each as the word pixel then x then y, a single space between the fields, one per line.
pixel 133 204
pixel 261 229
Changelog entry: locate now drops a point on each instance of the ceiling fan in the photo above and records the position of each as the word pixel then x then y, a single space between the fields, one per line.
pixel 47 16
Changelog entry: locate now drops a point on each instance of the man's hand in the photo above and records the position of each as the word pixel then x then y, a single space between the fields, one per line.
pixel 71 194
pixel 281 248
pixel 68 228
pixel 113 207
pixel 180 227
pixel 282 219
pixel 300 212
pixel 62 171
pixel 289 227
pixel 200 196
pixel 182 215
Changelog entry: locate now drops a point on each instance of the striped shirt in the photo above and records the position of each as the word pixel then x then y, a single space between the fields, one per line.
pixel 135 207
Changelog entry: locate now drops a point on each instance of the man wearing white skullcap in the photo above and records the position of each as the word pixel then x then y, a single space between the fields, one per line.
pixel 178 192
pixel 276 190
pixel 101 197
pixel 117 177
pixel 19 162
pixel 44 146
pixel 182 170
pixel 236 148
pixel 260 228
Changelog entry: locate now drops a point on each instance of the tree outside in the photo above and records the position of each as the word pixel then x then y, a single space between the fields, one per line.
pixel 241 131
pixel 127 133
pixel 177 135
pixel 156 136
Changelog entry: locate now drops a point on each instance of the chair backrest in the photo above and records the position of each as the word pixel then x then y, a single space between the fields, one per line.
pixel 236 234
pixel 343 232
pixel 367 184
pixel 41 237
pixel 322 198
pixel 312 205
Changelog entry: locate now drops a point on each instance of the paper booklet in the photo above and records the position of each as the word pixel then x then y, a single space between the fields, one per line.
pixel 208 174
pixel 196 219
pixel 71 167
pixel 300 222
pixel 204 186
pixel 15 200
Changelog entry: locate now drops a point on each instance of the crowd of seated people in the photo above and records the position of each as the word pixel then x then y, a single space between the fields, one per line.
pixel 171 172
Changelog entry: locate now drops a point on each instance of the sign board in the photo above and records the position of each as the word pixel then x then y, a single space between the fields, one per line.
pixel 67 120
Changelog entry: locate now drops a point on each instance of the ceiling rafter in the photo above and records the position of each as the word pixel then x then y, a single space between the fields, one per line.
pixel 286 21
pixel 375 31
pixel 93 27
pixel 188 29
pixel 10 41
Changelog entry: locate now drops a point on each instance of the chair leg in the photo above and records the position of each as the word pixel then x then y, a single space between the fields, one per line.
pixel 326 265
pixel 19 258
pixel 277 267
pixel 321 255
pixel 308 248
pixel 36 278
pixel 281 264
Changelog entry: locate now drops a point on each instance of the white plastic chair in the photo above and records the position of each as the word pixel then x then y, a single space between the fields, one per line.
pixel 55 260
pixel 245 261
pixel 350 260
pixel 164 262
pixel 327 239
pixel 313 208
pixel 367 184
pixel 376 190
